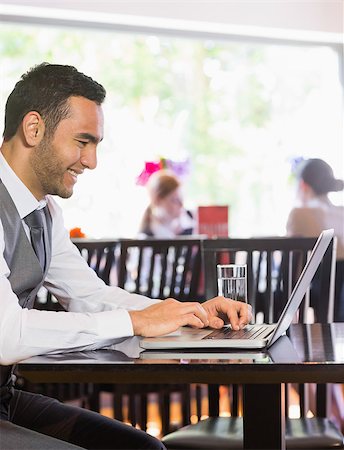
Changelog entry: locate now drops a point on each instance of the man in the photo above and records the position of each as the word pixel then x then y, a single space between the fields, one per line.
pixel 53 124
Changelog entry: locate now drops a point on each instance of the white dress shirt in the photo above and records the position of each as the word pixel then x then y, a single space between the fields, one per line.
pixel 96 314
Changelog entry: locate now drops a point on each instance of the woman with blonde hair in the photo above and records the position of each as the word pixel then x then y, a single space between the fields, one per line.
pixel 165 216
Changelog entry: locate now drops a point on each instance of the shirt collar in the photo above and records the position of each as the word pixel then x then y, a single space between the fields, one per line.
pixel 24 200
pixel 317 202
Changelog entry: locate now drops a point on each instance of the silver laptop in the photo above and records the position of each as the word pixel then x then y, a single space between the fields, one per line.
pixel 252 336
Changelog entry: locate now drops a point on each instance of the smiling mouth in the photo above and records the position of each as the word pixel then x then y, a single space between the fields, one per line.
pixel 73 173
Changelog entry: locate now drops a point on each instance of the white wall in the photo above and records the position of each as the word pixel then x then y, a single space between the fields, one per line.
pixel 307 15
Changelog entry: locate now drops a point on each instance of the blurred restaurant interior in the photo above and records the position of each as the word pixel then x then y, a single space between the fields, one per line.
pixel 231 96
pixel 235 94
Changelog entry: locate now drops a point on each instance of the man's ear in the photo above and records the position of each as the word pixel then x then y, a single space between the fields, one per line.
pixel 33 128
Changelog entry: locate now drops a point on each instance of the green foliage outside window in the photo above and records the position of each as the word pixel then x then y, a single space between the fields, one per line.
pixel 227 106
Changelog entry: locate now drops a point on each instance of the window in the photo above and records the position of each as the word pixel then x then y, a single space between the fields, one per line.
pixel 238 111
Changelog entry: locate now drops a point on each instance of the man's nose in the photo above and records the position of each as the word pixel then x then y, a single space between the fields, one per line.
pixel 89 158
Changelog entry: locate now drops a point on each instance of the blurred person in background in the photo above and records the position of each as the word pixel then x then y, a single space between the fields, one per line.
pixel 165 216
pixel 315 212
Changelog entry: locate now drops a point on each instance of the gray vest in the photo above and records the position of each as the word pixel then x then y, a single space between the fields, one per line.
pixel 26 276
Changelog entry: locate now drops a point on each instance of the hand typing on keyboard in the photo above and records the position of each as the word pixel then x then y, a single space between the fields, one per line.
pixel 222 311
pixel 167 316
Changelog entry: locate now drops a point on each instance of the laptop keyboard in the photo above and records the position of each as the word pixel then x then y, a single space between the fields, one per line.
pixel 249 332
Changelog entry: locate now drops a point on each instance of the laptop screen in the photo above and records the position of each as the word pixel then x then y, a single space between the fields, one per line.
pixel 302 284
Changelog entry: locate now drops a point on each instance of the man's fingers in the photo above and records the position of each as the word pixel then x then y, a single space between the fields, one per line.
pixel 216 322
pixel 246 317
pixel 239 314
pixel 192 320
pixel 195 309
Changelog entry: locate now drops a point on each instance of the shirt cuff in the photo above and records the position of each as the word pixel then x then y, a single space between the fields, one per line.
pixel 114 324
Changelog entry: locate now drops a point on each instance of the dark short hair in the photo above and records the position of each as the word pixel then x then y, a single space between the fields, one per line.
pixel 46 89
pixel 319 176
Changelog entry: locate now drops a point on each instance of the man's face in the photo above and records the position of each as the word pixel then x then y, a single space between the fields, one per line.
pixel 57 162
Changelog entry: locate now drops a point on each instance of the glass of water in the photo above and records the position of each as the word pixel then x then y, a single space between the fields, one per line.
pixel 232 281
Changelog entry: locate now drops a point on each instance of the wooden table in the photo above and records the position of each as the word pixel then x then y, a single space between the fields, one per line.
pixel 309 354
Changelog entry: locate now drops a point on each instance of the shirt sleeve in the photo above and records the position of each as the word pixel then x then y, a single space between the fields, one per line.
pixel 96 315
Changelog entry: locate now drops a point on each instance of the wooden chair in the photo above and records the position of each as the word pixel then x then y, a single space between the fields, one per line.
pixel 273 267
pixel 159 268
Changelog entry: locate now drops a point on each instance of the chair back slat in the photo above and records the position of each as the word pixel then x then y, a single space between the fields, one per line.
pixel 174 274
pixel 164 255
pixel 153 264
pixel 186 254
pixel 269 288
pixel 139 269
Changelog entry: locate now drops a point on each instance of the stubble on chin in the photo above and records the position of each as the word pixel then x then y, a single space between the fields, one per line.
pixel 49 170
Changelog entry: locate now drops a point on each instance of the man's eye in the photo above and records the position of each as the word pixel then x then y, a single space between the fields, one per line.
pixel 82 143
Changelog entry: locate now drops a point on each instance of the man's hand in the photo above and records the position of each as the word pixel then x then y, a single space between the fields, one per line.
pixel 223 310
pixel 168 315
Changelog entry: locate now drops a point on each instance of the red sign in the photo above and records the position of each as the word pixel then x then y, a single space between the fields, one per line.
pixel 213 221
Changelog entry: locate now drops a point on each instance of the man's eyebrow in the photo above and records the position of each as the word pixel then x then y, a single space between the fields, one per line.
pixel 89 137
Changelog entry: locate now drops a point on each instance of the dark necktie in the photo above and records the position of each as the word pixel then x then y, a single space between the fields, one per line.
pixel 36 224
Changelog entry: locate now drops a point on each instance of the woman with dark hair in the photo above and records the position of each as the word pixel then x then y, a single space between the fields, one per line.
pixel 165 217
pixel 316 212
